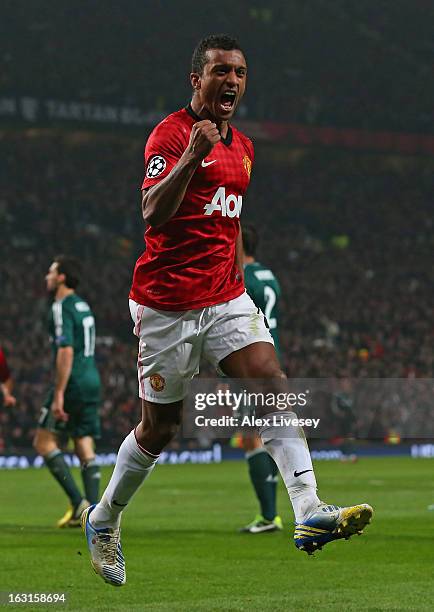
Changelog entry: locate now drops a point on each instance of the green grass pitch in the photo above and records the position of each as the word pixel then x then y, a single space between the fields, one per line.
pixel 183 551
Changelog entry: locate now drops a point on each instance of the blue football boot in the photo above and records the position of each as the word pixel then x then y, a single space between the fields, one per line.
pixel 328 523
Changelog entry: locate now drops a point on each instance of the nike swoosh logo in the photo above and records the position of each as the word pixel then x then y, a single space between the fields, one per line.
pixel 204 164
pixel 296 474
pixel 115 503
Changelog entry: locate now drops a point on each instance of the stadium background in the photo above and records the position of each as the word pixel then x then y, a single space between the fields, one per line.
pixel 340 107
pixel 340 110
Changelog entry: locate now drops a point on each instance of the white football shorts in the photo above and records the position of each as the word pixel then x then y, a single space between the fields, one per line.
pixel 171 344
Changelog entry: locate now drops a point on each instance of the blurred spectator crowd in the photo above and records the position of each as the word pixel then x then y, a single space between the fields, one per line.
pixel 349 236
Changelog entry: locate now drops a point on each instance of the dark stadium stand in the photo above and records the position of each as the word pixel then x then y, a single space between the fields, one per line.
pixel 334 62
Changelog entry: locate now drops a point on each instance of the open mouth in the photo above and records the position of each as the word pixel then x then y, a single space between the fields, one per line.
pixel 227 100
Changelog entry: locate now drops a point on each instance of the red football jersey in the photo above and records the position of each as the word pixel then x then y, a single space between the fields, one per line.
pixel 189 261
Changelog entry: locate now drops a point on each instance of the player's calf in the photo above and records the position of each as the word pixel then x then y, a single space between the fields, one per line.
pixel 133 466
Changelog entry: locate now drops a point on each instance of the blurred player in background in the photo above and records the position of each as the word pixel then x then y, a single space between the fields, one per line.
pixel 344 416
pixel 71 407
pixel 6 383
pixel 264 289
pixel 188 301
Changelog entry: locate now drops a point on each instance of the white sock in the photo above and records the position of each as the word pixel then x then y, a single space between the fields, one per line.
pixel 133 466
pixel 288 447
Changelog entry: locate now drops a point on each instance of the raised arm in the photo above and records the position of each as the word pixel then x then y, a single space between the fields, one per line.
pixel 160 202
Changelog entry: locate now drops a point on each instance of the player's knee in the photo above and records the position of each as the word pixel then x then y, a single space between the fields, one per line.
pixel 272 371
pixel 42 445
pixel 85 457
pixel 84 449
pixel 266 369
pixel 37 444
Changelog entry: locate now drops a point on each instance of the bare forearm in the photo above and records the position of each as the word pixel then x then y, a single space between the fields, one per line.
pixel 64 359
pixel 162 201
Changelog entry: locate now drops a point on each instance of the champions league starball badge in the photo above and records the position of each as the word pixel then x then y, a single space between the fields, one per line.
pixel 156 165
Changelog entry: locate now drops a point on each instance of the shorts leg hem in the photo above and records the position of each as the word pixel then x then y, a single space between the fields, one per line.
pixel 162 400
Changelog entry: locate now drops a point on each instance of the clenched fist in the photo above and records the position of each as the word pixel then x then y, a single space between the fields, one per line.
pixel 204 135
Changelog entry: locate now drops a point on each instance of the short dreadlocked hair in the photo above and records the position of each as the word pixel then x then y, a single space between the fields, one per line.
pixel 214 41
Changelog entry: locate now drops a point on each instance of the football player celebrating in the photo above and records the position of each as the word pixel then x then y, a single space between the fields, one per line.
pixel 188 300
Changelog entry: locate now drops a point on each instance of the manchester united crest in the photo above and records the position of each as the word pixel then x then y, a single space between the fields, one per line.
pixel 247 163
pixel 157 382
